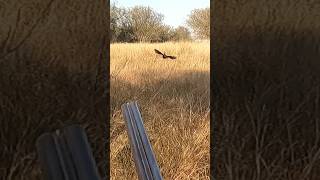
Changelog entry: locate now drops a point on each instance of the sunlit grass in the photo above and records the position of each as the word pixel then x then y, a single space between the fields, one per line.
pixel 173 97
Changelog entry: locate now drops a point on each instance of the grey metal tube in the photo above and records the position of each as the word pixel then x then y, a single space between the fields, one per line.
pixel 145 161
pixel 66 155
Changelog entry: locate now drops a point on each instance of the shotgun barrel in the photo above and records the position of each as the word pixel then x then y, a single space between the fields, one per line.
pixel 144 159
pixel 66 154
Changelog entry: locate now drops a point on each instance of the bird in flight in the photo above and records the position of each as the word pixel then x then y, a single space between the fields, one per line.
pixel 164 56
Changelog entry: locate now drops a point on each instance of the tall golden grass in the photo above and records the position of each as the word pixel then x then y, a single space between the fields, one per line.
pixel 266 95
pixel 173 97
pixel 50 80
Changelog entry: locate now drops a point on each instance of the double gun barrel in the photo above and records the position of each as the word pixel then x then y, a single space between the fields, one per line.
pixel 66 154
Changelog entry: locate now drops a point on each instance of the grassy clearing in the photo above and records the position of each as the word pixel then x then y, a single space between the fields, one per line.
pixel 173 97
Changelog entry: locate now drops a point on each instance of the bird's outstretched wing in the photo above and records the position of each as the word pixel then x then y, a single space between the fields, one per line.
pixel 172 57
pixel 158 52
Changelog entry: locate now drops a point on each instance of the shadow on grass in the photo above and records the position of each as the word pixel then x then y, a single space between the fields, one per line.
pixel 267 108
pixel 176 103
pixel 177 92
pixel 37 97
pixel 192 86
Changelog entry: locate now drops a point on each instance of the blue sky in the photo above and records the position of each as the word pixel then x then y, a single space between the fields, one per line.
pixel 175 11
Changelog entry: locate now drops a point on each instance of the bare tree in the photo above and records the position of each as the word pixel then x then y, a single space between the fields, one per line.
pixel 146 23
pixel 114 18
pixel 142 23
pixel 199 21
pixel 166 33
pixel 181 33
pixel 120 24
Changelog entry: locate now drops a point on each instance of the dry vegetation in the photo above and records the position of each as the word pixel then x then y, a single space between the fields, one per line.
pixel 267 94
pixel 173 97
pixel 48 71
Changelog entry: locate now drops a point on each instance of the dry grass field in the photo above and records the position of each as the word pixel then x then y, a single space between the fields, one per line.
pixel 267 94
pixel 49 80
pixel 173 97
